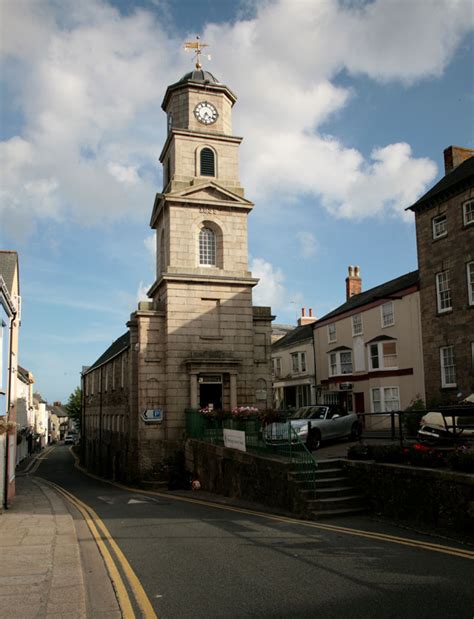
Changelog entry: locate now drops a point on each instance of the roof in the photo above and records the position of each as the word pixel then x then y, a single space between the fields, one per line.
pixel 200 76
pixel 383 291
pixel 8 267
pixel 454 180
pixel 112 351
pixel 23 374
pixel 299 334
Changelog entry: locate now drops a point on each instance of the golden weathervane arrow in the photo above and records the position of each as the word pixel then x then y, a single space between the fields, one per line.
pixel 197 46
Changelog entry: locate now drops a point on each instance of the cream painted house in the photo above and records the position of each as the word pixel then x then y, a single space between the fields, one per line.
pixel 368 350
pixel 294 382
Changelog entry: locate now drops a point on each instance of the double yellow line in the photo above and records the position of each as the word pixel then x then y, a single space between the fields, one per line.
pixel 103 539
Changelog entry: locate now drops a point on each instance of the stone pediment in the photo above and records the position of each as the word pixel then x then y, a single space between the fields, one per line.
pixel 209 192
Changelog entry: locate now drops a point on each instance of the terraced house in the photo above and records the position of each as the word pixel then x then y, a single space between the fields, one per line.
pixel 445 241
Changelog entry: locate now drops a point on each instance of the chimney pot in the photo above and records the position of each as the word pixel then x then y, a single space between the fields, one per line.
pixel 353 282
pixel 311 312
pixel 454 156
pixel 303 311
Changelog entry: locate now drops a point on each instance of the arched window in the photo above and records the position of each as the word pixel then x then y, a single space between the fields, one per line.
pixel 207 247
pixel 207 166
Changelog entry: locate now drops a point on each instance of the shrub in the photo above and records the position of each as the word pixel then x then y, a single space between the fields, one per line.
pixel 389 454
pixel 462 461
pixel 360 452
pixel 420 455
pixel 414 413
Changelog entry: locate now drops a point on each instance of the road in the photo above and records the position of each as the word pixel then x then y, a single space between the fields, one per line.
pixel 204 560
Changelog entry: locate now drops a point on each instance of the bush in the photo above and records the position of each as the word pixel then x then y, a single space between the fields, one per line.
pixel 419 455
pixel 389 454
pixel 462 461
pixel 414 413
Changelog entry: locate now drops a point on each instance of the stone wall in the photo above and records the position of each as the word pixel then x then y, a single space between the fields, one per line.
pixel 443 500
pixel 242 475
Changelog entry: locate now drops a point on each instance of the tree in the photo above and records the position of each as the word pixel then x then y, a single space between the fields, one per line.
pixel 74 406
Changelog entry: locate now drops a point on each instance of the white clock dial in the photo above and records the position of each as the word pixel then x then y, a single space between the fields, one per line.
pixel 206 113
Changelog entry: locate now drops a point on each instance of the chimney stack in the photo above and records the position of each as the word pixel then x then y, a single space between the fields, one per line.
pixel 454 156
pixel 353 282
pixel 306 320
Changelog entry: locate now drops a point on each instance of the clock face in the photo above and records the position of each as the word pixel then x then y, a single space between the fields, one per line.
pixel 206 113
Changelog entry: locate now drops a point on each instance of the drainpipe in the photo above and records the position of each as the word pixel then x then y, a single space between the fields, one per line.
pixel 7 446
pixel 314 358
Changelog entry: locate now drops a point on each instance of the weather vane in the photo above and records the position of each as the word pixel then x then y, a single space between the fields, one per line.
pixel 197 46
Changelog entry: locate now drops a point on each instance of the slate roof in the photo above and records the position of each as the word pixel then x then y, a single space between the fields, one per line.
pixel 120 344
pixel 462 174
pixel 383 291
pixel 8 266
pixel 299 334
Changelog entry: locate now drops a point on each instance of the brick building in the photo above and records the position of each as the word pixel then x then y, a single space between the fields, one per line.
pixel 198 341
pixel 445 241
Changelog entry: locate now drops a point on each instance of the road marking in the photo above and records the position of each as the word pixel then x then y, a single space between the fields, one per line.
pixel 136 586
pixel 404 541
pixel 135 502
pixel 122 594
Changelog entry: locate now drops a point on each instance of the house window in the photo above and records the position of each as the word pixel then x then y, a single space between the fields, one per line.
pixel 357 324
pixel 388 317
pixel 383 355
pixel 298 361
pixel 114 363
pixel 332 334
pixel 340 362
pixel 448 367
pixel 385 400
pixel 468 213
pixel 440 227
pixel 443 291
pixel 472 357
pixel 106 377
pixel 207 247
pixel 277 366
pixel 2 326
pixel 207 162
pixel 122 371
pixel 470 282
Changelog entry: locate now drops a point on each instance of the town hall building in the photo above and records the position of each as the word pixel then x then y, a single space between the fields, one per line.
pixel 199 342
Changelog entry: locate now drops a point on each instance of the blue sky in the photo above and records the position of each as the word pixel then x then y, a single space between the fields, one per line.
pixel 345 109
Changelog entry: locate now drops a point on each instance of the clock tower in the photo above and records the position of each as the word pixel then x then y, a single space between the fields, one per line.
pixel 199 342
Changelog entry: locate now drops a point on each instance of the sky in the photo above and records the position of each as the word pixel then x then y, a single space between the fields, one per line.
pixel 345 108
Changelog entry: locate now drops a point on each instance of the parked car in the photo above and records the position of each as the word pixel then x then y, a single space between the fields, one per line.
pixel 439 429
pixel 317 423
pixel 70 438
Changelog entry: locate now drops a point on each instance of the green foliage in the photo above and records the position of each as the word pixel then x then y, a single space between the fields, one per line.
pixel 414 413
pixel 462 461
pixel 390 454
pixel 360 452
pixel 74 406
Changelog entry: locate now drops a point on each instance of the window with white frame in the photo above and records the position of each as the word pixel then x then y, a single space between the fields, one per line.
pixel 470 282
pixel 357 327
pixel 2 326
pixel 440 226
pixel 443 291
pixel 383 355
pixel 448 366
pixel 298 361
pixel 385 399
pixel 207 247
pixel 388 316
pixel 332 333
pixel 468 213
pixel 340 362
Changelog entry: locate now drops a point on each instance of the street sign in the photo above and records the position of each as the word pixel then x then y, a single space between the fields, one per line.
pixel 154 415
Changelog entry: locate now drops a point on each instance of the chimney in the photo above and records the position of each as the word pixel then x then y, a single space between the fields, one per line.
pixel 353 282
pixel 306 320
pixel 454 156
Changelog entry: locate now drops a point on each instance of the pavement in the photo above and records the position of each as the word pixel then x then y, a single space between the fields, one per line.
pixel 51 567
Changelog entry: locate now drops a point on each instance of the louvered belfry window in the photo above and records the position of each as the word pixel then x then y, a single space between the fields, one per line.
pixel 207 162
pixel 207 247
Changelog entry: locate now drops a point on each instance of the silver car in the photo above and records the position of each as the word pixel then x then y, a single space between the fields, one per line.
pixel 317 423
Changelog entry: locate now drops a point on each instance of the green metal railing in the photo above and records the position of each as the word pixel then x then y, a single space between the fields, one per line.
pixel 273 439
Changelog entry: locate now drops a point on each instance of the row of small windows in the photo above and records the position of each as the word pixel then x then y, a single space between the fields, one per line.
pixel 382 356
pixel 440 222
pixel 443 289
pixel 387 319
pixel 107 377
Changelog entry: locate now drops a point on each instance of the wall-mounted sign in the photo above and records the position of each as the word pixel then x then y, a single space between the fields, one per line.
pixel 345 386
pixel 210 379
pixel 261 394
pixel 154 415
pixel 235 439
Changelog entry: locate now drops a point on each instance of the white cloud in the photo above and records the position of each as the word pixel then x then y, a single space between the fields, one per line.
pixel 88 81
pixel 270 290
pixel 150 244
pixel 307 243
pixel 142 292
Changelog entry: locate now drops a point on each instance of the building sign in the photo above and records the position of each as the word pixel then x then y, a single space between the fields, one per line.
pixel 345 386
pixel 210 379
pixel 154 415
pixel 235 439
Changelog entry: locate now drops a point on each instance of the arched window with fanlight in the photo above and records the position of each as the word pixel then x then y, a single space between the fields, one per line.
pixel 207 247
pixel 207 162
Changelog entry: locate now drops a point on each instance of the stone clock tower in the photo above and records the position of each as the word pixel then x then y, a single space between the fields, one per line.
pixel 199 341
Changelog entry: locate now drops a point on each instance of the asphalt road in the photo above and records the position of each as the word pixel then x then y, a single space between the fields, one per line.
pixel 204 561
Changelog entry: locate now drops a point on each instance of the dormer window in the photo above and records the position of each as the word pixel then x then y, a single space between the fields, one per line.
pixel 207 162
pixel 207 247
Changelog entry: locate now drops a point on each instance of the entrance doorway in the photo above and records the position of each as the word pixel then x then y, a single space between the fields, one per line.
pixel 210 393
